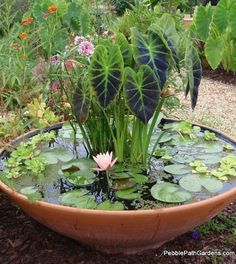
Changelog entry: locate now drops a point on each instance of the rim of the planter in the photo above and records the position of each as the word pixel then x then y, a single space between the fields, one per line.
pixel 183 207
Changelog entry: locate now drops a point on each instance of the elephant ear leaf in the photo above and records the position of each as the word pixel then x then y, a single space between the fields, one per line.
pixel 106 71
pixel 81 102
pixel 173 51
pixel 152 51
pixel 194 74
pixel 125 48
pixel 142 91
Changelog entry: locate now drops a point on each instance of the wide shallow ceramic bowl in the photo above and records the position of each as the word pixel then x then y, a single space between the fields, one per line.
pixel 121 231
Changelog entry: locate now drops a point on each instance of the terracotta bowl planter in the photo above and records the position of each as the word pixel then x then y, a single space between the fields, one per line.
pixel 122 231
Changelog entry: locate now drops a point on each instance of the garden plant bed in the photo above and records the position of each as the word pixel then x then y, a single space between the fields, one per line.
pixel 23 240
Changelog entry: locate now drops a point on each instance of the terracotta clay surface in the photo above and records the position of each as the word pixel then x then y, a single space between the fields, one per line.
pixel 122 231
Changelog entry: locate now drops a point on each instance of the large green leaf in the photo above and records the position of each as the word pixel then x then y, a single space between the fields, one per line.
pixel 168 25
pixel 106 71
pixel 125 48
pixel 203 18
pixel 214 50
pixel 169 193
pixel 143 92
pixel 152 51
pixel 223 13
pixel 232 20
pixel 81 102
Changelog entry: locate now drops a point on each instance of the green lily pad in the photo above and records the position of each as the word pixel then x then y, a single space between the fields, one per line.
pixel 82 177
pixel 129 194
pixel 211 147
pixel 54 155
pixel 122 184
pixel 181 140
pixel 209 159
pixel 190 183
pixel 165 137
pixel 194 183
pixel 120 175
pixel 210 183
pixel 81 164
pixel 139 178
pixel 183 159
pixel 169 193
pixel 177 169
pixel 78 198
pixel 31 193
pixel 109 206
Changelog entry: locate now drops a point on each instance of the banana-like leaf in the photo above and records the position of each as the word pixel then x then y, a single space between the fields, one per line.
pixel 223 12
pixel 81 101
pixel 194 73
pixel 142 91
pixel 106 70
pixel 202 20
pixel 125 48
pixel 214 51
pixel 232 19
pixel 151 50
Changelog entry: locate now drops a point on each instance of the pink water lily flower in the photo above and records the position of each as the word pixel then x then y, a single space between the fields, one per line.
pixel 104 161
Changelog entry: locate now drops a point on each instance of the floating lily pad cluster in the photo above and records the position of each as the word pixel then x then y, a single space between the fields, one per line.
pixel 187 162
pixel 196 160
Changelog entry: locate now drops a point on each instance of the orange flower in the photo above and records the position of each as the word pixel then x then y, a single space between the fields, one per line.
pixel 27 21
pixel 52 9
pixel 23 35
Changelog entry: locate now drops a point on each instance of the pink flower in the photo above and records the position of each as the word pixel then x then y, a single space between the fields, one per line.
pixel 79 39
pixel 86 48
pixel 55 59
pixel 70 64
pixel 55 85
pixel 104 161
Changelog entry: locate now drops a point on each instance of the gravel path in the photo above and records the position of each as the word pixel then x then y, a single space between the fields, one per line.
pixel 216 107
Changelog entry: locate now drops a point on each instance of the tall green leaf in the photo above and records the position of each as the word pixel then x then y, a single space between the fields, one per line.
pixel 106 71
pixel 143 92
pixel 214 50
pixel 125 48
pixel 203 18
pixel 151 50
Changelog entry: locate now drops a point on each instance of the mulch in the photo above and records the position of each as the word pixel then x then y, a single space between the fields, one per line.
pixel 24 241
pixel 220 75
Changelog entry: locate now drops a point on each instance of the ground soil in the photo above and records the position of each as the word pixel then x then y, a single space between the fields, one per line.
pixel 24 241
pixel 220 75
